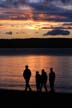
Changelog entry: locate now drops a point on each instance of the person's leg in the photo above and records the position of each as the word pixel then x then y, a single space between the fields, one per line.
pixel 29 87
pixel 50 86
pixel 53 87
pixel 26 86
pixel 45 87
pixel 41 86
pixel 37 86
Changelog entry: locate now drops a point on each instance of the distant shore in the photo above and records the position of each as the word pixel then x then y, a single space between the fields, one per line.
pixel 36 43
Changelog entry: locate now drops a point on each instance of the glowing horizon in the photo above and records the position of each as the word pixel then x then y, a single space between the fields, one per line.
pixel 30 29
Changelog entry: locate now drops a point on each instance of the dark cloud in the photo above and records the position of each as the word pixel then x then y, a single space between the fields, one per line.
pixel 67 24
pixel 50 11
pixel 9 33
pixel 57 32
pixel 61 14
pixel 24 1
pixel 66 1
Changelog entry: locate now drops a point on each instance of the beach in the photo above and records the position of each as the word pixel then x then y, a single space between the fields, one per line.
pixel 25 99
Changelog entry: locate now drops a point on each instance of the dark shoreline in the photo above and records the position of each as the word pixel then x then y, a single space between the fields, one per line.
pixel 10 92
pixel 36 43
pixel 36 51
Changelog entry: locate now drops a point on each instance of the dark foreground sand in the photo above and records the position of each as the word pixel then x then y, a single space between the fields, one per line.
pixel 13 97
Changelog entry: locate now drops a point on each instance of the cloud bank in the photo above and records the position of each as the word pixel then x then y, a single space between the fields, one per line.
pixel 57 32
pixel 51 10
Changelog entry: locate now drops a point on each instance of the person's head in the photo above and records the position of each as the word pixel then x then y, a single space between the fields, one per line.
pixel 51 69
pixel 26 66
pixel 37 72
pixel 43 71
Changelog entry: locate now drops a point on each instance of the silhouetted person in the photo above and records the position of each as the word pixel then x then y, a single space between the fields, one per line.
pixel 27 76
pixel 52 79
pixel 38 81
pixel 44 80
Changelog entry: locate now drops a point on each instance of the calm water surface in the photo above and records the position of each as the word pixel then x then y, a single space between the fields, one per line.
pixel 11 70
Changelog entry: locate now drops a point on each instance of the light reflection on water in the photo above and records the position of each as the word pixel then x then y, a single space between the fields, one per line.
pixel 11 70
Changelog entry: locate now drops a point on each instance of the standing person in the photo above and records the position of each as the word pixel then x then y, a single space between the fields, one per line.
pixel 44 80
pixel 38 81
pixel 27 76
pixel 52 79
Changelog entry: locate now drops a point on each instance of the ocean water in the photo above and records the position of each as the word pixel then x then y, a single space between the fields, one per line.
pixel 12 67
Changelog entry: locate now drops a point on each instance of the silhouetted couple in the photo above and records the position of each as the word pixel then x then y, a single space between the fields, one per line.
pixel 41 81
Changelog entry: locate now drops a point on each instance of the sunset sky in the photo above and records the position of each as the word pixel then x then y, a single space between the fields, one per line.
pixel 43 18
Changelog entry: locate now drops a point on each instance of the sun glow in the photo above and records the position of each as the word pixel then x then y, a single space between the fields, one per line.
pixel 32 28
pixel 28 24
pixel 28 28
